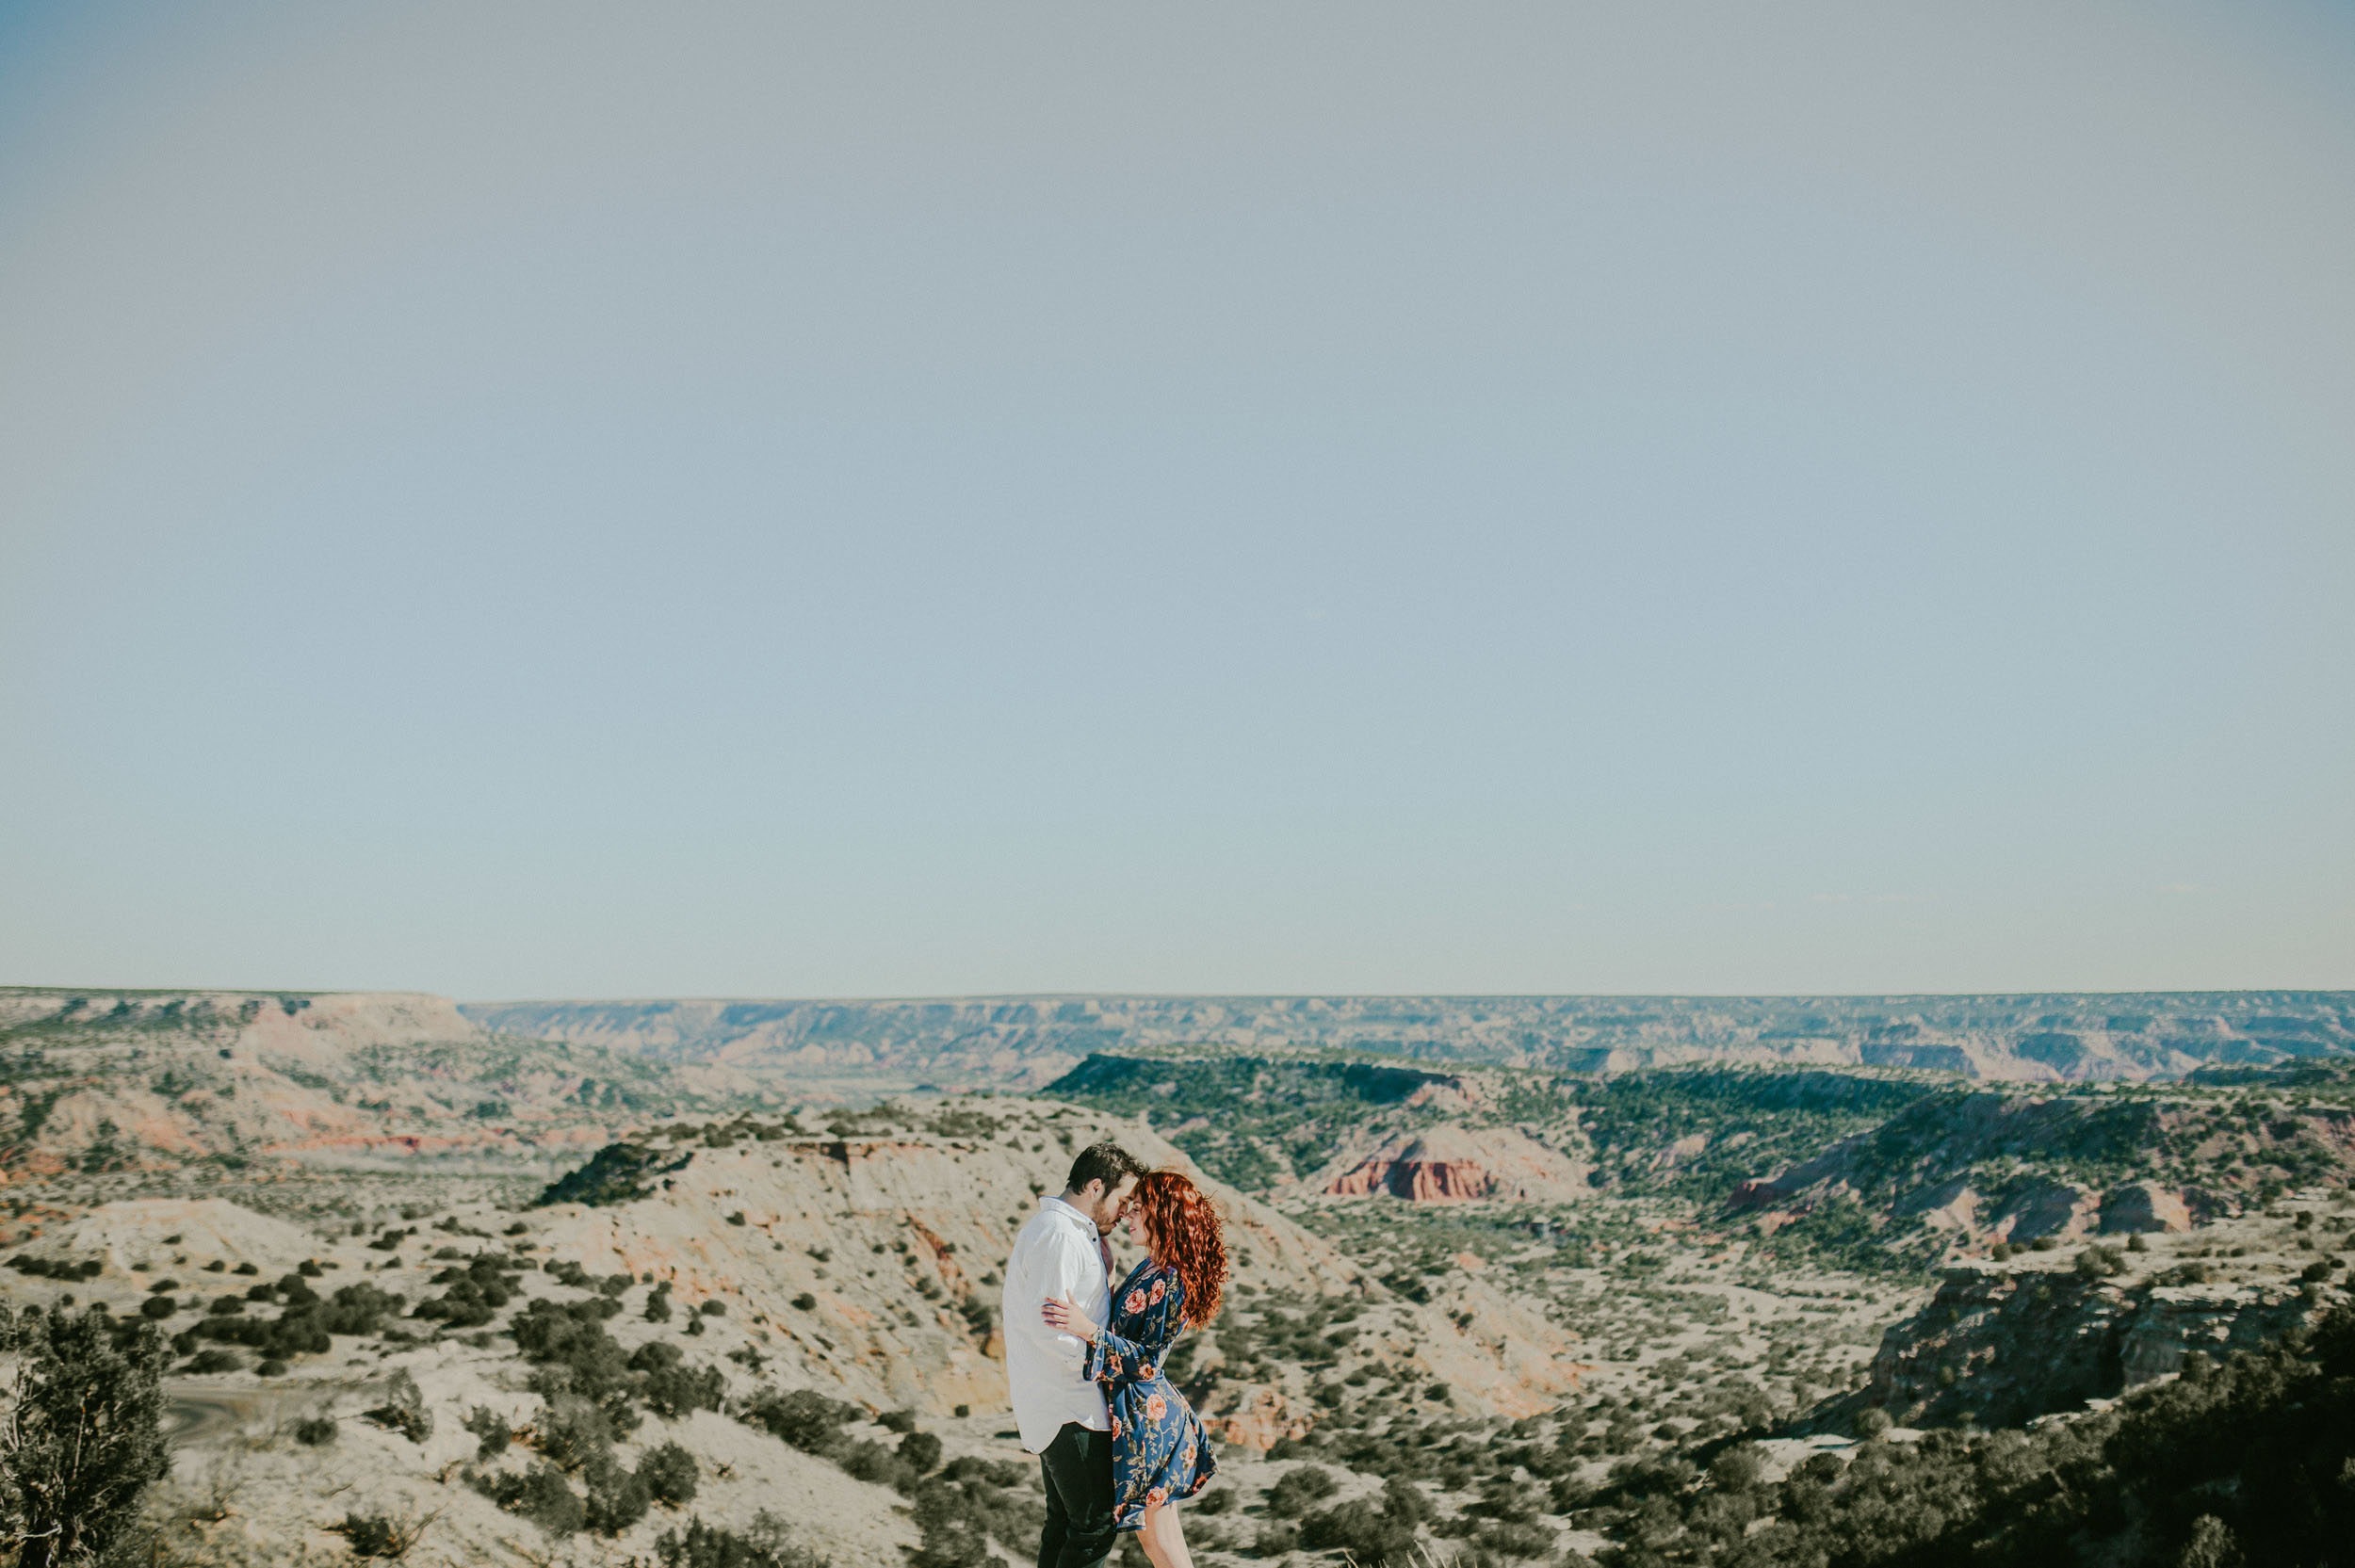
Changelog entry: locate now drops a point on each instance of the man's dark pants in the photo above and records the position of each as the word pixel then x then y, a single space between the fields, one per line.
pixel 1079 1469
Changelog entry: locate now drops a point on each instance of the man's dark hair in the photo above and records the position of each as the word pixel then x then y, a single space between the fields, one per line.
pixel 1103 1162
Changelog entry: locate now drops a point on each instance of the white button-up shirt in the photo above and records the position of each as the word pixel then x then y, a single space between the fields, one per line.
pixel 1057 1253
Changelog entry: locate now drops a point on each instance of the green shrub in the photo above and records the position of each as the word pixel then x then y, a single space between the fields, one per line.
pixel 376 1535
pixel 403 1410
pixel 803 1417
pixel 872 1462
pixel 767 1545
pixel 572 1432
pixel 1297 1491
pixel 1369 1529
pixel 539 1494
pixel 84 1434
pixel 617 1498
pixel 491 1433
pixel 671 1475
pixel 671 1386
pixel 315 1431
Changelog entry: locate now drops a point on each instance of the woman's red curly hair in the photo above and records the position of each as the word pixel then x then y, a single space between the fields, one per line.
pixel 1182 1229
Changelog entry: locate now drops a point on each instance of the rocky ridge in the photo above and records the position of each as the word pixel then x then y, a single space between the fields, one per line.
pixel 1970 1169
pixel 1023 1042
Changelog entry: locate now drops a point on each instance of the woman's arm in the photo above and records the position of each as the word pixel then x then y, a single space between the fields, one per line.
pixel 1114 1359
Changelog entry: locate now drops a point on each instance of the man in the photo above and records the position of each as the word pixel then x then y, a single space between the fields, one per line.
pixel 1062 1252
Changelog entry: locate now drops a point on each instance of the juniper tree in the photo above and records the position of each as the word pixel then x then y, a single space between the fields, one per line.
pixel 83 1437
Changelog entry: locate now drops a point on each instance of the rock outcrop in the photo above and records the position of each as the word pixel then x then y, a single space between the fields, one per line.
pixel 2144 1207
pixel 2003 1345
pixel 1455 1164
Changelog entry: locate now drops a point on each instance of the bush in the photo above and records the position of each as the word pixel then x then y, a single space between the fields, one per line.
pixel 617 1500
pixel 1296 1492
pixel 376 1535
pixel 85 1436
pixel 575 1356
pixel 491 1433
pixel 1516 1538
pixel 539 1494
pixel 803 1417
pixel 574 1432
pixel 206 1364
pixel 1370 1529
pixel 2100 1263
pixel 403 1410
pixel 1738 1468
pixel 872 1462
pixel 767 1545
pixel 921 1450
pixel 157 1308
pixel 672 1387
pixel 1276 1540
pixel 671 1475
pixel 474 1293
pixel 315 1431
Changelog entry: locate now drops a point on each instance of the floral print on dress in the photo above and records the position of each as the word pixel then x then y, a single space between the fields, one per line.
pixel 1158 1452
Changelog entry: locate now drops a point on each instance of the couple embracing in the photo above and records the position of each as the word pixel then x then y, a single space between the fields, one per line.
pixel 1118 1445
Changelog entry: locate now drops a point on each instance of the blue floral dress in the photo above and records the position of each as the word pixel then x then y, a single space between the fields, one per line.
pixel 1158 1455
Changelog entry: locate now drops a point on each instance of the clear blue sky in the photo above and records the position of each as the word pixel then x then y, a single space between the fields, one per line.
pixel 874 499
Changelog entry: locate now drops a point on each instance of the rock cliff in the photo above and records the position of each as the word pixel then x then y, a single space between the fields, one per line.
pixel 2000 1344
pixel 1453 1164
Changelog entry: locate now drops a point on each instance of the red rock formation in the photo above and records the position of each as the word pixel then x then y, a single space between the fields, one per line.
pixel 1446 1165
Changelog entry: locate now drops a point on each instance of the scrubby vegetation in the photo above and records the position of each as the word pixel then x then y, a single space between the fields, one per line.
pixel 83 1435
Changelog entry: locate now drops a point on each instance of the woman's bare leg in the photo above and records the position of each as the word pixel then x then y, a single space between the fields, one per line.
pixel 1165 1544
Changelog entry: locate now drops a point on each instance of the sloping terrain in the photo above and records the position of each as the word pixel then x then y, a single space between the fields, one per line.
pixel 742 1276
pixel 2045 1331
pixel 1023 1042
pixel 872 1257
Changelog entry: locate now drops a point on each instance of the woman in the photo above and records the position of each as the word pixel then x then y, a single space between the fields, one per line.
pixel 1159 1456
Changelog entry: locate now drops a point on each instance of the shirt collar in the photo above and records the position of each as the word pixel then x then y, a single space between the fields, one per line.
pixel 1056 1205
